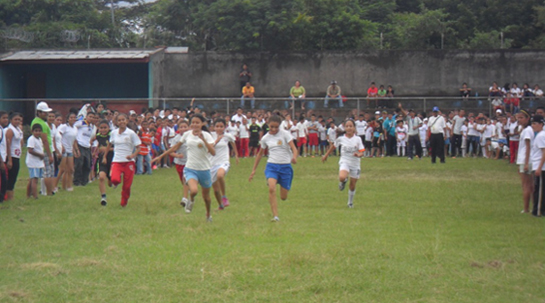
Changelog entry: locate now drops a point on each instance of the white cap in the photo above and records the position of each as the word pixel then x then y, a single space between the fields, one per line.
pixel 377 112
pixel 132 112
pixel 425 119
pixel 43 107
pixel 498 110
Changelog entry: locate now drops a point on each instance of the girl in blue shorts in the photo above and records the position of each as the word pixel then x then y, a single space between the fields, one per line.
pixel 199 144
pixel 282 152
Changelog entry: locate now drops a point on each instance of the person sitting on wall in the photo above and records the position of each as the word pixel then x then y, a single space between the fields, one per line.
pixel 297 92
pixel 248 92
pixel 333 92
pixel 465 91
pixel 494 90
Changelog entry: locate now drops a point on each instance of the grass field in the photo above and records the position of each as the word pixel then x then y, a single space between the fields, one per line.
pixel 418 233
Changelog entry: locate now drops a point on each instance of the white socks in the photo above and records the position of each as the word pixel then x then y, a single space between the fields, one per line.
pixel 351 194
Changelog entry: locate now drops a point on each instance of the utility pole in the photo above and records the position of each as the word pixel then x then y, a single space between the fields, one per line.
pixel 112 12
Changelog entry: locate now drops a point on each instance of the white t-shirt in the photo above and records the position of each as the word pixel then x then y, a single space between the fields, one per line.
pixel 499 131
pixel 464 130
pixel 516 92
pixel 349 146
pixel 332 134
pixel 536 154
pixel 360 127
pixel 15 147
pixel 58 138
pixel 197 153
pixel 302 130
pixel 437 127
pixel 458 122
pixel 369 134
pixel 471 131
pixel 512 128
pixel 233 130
pixel 85 133
pixel 124 144
pixel 489 131
pixel 3 145
pixel 243 131
pixel 290 127
pixel 181 151
pixel 222 149
pixel 538 93
pixel 323 132
pixel 69 134
pixel 526 134
pixel 238 118
pixel 401 133
pixel 37 145
pixel 481 127
pixel 279 147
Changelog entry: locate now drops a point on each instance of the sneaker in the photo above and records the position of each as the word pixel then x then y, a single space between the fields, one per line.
pixel 189 206
pixel 221 207
pixel 209 219
pixel 350 205
pixel 342 184
pixel 275 219
pixel 225 201
pixel 103 202
pixel 123 203
pixel 184 202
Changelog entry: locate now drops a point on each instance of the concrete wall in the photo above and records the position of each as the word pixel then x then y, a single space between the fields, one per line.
pixel 411 73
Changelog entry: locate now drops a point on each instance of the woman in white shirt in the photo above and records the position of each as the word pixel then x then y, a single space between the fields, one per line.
pixel 13 137
pixel 523 158
pixel 197 168
pixel 220 162
pixel 68 140
pixel 126 145
pixel 282 152
pixel 349 164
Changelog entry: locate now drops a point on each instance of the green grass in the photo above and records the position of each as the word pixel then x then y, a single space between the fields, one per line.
pixel 418 233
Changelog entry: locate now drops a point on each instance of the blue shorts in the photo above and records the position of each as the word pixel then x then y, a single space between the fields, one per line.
pixel 202 176
pixel 447 141
pixel 36 173
pixel 282 173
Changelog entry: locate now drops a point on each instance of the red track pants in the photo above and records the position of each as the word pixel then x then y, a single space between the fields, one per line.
pixel 127 169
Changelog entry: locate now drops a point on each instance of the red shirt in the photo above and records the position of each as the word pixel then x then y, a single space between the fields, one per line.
pixel 146 140
pixel 372 91
pixel 158 136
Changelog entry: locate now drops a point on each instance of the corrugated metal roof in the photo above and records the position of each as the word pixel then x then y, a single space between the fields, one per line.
pixel 42 55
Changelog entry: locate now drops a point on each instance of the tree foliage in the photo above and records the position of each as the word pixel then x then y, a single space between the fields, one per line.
pixel 273 25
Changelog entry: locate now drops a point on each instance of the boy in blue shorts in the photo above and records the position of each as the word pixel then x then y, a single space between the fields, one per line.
pixel 34 160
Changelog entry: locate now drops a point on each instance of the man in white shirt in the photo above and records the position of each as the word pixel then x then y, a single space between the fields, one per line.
pixel 239 116
pixel 437 128
pixel 361 126
pixel 457 123
pixel 82 164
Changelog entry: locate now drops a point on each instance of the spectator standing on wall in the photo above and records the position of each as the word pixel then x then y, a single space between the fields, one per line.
pixel 248 93
pixel 333 92
pixel 372 94
pixel 245 75
pixel 465 91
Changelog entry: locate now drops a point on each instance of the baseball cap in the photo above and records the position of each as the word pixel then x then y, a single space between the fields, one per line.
pixel 132 112
pixel 333 82
pixel 43 107
pixel 377 112
pixel 498 110
pixel 425 119
pixel 537 118
pixel 435 109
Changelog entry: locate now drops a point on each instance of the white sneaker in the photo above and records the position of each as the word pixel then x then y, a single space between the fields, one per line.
pixel 189 206
pixel 350 205
pixel 209 219
pixel 275 219
pixel 184 202
pixel 342 184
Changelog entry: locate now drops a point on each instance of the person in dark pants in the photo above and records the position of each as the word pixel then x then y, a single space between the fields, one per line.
pixel 389 134
pixel 537 159
pixel 245 76
pixel 458 122
pixel 82 154
pixel 436 129
pixel 413 123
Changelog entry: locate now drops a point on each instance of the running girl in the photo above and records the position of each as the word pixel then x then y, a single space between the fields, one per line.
pixel 14 135
pixel 220 162
pixel 282 151
pixel 349 165
pixel 103 138
pixel 197 169
pixel 126 147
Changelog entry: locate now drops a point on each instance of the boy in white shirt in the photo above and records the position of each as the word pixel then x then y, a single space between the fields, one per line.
pixel 332 135
pixel 538 158
pixel 34 160
pixel 302 135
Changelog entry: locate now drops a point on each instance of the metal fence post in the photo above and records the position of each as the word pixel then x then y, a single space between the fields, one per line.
pixel 227 107
pixel 358 105
pixel 424 109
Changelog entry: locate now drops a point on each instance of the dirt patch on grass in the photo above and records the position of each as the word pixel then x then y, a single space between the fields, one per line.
pixel 87 262
pixel 17 294
pixel 41 266
pixel 489 264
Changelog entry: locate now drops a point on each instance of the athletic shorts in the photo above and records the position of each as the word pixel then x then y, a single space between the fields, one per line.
pixel 180 170
pixel 254 143
pixel 215 168
pixel 324 143
pixel 35 173
pixel 65 155
pixel 521 169
pixel 301 141
pixel 282 173
pixel 447 141
pixel 368 145
pixel 353 172
pixel 49 168
pixel 202 176
pixel 313 139
pixel 375 142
